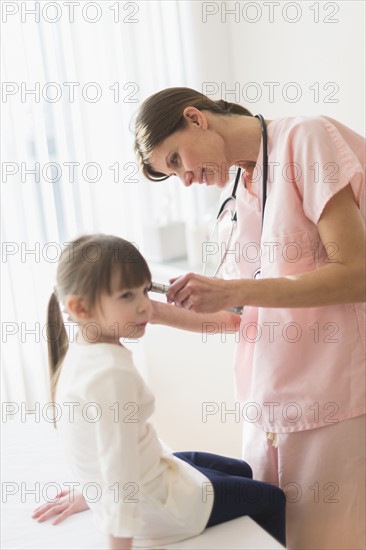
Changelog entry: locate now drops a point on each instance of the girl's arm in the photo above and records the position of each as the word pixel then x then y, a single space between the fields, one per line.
pixel 119 543
pixel 172 316
pixel 341 281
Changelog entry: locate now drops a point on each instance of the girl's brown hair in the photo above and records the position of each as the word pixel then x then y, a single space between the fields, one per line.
pixel 86 268
pixel 161 114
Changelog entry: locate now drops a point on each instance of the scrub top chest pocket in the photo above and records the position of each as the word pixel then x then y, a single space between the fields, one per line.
pixel 287 254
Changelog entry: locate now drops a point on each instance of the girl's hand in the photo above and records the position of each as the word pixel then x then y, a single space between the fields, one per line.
pixel 178 317
pixel 64 507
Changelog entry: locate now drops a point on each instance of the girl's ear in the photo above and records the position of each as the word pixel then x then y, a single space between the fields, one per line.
pixel 77 308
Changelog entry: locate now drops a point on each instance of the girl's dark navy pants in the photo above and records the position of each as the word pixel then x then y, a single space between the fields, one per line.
pixel 237 494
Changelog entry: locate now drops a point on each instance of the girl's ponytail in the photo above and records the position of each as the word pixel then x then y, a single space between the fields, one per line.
pixel 57 340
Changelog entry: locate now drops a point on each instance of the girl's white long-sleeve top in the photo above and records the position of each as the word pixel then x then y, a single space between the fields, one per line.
pixel 133 485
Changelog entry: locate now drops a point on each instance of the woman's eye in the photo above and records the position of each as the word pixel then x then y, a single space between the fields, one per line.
pixel 174 159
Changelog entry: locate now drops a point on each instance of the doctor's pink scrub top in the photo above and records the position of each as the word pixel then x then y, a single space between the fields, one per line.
pixel 297 368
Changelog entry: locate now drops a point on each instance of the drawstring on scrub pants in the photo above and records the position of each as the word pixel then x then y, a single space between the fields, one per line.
pixel 274 439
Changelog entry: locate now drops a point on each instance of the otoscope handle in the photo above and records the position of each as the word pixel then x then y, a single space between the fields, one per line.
pixel 159 288
pixel 237 309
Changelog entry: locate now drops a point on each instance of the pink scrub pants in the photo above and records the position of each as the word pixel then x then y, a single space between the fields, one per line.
pixel 322 472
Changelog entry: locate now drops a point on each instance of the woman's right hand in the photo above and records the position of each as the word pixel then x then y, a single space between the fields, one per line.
pixel 202 294
pixel 63 507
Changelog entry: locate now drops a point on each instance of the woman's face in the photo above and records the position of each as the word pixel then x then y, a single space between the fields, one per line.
pixel 195 154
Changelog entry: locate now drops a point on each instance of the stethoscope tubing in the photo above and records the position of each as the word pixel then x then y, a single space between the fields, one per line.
pixel 233 197
pixel 265 165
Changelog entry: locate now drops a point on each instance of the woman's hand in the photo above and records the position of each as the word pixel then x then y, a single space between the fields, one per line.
pixel 64 507
pixel 201 294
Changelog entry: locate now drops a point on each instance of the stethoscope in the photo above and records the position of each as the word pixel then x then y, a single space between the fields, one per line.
pixel 232 197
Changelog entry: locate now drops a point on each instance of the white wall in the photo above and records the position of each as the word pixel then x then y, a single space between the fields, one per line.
pixel 191 376
pixel 192 381
pixel 313 52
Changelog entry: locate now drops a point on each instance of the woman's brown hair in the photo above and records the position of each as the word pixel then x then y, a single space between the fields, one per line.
pixel 161 114
pixel 86 268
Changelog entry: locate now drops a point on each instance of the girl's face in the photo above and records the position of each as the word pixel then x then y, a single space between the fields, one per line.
pixel 122 314
pixel 195 154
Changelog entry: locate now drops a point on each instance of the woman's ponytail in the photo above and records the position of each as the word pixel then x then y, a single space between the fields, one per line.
pixel 233 108
pixel 57 340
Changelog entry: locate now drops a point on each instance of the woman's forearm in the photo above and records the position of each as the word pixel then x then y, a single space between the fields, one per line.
pixel 172 316
pixel 328 285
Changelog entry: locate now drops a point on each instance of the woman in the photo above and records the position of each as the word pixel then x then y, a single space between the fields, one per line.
pixel 299 364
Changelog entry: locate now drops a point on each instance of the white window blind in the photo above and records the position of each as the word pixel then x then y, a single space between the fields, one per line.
pixel 68 163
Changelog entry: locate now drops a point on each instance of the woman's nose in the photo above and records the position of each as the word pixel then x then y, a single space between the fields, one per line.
pixel 186 178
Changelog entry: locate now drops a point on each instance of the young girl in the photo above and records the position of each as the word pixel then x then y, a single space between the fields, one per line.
pixel 145 495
